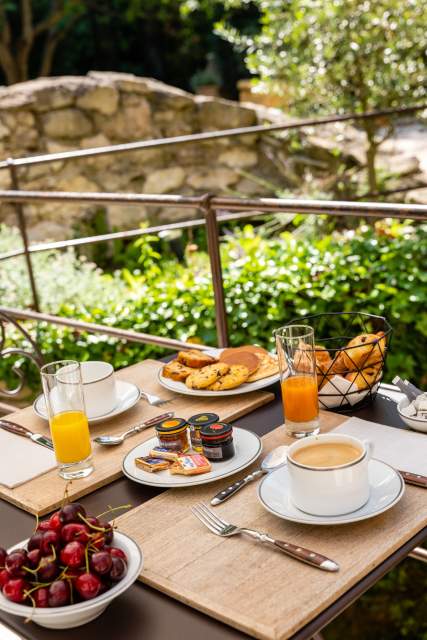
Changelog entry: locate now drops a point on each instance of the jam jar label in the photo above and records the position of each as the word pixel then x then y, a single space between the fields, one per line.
pixel 213 453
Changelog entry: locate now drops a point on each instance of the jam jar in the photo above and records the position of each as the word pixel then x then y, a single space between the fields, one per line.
pixel 196 422
pixel 217 441
pixel 173 435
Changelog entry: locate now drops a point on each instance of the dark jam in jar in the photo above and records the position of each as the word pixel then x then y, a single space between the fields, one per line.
pixel 173 434
pixel 217 441
pixel 196 422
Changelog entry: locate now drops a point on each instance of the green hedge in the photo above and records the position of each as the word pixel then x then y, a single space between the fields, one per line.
pixel 377 269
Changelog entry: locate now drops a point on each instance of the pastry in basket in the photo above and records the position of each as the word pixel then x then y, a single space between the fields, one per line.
pixel 237 374
pixel 241 357
pixel 204 377
pixel 323 365
pixel 303 358
pixel 365 378
pixel 176 371
pixel 364 350
pixel 195 359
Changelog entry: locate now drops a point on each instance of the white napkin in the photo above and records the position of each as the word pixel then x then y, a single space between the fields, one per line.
pixel 22 459
pixel 402 449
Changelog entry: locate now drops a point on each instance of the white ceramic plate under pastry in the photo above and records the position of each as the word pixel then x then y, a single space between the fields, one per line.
pixel 128 395
pixel 248 448
pixel 246 387
pixel 387 488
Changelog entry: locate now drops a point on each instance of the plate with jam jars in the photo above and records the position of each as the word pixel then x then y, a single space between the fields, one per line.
pixel 228 449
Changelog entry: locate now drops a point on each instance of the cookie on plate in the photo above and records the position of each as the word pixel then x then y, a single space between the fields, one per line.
pixel 202 378
pixel 176 371
pixel 195 359
pixel 234 378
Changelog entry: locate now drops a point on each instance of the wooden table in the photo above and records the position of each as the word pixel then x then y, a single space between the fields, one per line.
pixel 144 612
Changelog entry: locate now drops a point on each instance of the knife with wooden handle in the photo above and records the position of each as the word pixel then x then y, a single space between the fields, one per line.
pixel 19 430
pixel 414 478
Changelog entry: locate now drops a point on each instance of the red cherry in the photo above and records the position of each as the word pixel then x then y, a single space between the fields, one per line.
pixel 101 562
pixel 4 577
pixel 118 570
pixel 118 553
pixel 41 597
pixel 35 541
pixel 34 558
pixel 88 586
pixel 15 562
pixel 47 569
pixel 55 522
pixel 108 532
pixel 73 554
pixel 3 554
pixel 92 521
pixel 50 540
pixel 75 531
pixel 44 525
pixel 98 540
pixel 14 590
pixel 59 593
pixel 70 513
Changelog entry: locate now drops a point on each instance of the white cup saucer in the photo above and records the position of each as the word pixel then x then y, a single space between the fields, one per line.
pixel 128 395
pixel 386 489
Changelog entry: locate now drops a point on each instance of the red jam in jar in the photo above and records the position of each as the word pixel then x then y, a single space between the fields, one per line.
pixel 217 441
pixel 173 435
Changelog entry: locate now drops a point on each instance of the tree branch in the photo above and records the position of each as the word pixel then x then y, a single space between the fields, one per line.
pixel 51 21
pixel 52 41
pixel 7 63
pixel 5 32
pixel 26 20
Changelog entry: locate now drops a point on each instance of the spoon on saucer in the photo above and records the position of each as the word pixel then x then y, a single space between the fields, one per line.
pixel 115 440
pixel 272 460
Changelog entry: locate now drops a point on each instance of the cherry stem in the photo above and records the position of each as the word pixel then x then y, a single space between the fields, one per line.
pixel 111 509
pixel 92 526
pixel 37 522
pixel 87 558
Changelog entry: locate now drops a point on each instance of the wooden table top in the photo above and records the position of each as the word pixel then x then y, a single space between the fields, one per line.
pixel 144 612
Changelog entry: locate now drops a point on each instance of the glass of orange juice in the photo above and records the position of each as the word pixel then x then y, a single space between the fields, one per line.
pixel 63 392
pixel 297 362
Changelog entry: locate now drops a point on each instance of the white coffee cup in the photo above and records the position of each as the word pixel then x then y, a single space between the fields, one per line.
pixel 99 388
pixel 329 491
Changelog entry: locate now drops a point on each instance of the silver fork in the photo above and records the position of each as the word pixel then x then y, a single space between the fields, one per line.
pixel 152 399
pixel 224 529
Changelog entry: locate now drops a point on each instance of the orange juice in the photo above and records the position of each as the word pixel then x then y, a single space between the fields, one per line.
pixel 299 394
pixel 70 435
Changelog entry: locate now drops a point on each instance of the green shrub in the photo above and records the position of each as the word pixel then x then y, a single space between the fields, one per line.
pixel 378 269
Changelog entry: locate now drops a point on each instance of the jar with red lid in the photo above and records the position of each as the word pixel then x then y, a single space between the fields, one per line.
pixel 173 434
pixel 217 441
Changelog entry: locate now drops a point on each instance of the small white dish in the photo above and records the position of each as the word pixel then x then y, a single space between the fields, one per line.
pixel 419 424
pixel 248 448
pixel 246 387
pixel 386 489
pixel 75 615
pixel 128 395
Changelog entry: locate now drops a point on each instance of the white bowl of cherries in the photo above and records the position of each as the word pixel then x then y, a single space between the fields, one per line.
pixel 68 571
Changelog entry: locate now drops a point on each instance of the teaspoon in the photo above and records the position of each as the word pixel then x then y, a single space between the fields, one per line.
pixel 114 440
pixel 272 460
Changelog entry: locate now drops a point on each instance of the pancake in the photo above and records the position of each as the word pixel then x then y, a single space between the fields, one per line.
pixel 241 357
pixel 268 367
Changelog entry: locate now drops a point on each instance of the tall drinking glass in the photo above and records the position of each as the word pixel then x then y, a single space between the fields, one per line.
pixel 63 392
pixel 297 362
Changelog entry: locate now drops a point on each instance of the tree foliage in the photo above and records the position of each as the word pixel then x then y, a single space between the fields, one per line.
pixel 340 55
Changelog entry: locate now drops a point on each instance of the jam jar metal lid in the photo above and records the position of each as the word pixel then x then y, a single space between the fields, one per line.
pixel 216 431
pixel 203 419
pixel 170 425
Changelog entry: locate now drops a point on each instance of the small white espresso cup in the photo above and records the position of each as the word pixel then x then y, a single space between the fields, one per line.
pixel 99 387
pixel 330 491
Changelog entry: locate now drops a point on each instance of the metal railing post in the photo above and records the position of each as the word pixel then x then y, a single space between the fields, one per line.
pixel 216 270
pixel 419 554
pixel 23 230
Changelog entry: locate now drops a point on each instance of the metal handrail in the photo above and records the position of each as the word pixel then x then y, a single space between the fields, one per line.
pixel 206 136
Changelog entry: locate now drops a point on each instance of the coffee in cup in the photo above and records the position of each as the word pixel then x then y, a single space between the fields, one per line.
pixel 328 474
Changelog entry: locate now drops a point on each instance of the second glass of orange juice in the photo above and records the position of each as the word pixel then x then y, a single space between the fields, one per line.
pixel 63 392
pixel 297 361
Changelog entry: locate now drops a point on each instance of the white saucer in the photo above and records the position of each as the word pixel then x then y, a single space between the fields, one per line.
pixel 248 448
pixel 127 393
pixel 387 488
pixel 246 387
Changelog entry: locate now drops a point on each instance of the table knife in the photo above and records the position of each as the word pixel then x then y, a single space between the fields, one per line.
pixel 414 478
pixel 19 430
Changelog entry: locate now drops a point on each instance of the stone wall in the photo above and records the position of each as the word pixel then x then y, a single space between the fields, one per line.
pixel 56 114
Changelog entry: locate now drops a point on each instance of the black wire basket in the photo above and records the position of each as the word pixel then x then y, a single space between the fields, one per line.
pixel 351 351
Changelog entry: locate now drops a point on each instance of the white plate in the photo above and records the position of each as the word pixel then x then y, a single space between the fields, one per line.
pixel 246 387
pixel 248 448
pixel 127 393
pixel 387 488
